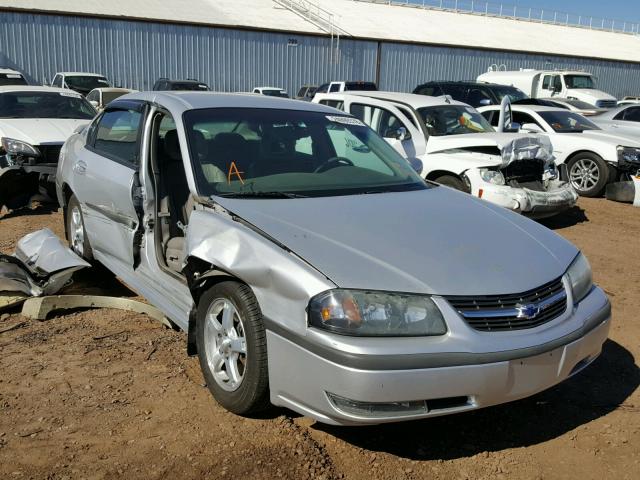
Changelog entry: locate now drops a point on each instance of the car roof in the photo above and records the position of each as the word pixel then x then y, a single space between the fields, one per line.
pixel 412 99
pixel 112 89
pixel 9 70
pixel 465 82
pixel 181 101
pixel 270 88
pixel 33 88
pixel 84 74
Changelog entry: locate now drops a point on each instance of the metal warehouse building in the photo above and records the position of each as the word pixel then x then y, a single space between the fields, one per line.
pixel 234 45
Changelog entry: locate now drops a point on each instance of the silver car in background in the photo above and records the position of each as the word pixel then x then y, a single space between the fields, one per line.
pixel 312 268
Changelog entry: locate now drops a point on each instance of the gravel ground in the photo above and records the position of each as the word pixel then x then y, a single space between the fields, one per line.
pixel 106 394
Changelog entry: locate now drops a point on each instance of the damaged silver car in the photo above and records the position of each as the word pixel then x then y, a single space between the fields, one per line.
pixel 313 268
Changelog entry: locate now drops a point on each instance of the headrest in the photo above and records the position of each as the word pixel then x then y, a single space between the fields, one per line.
pixel 229 141
pixel 172 145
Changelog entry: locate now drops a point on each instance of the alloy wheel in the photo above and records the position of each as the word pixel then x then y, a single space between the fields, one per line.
pixel 584 174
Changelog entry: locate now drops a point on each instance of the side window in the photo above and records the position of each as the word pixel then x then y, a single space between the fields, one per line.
pixel 492 116
pixel 93 96
pixel 384 122
pixel 457 92
pixel 557 83
pixel 117 135
pixel 632 114
pixel 430 90
pixel 478 97
pixel 335 87
pixel 522 118
pixel 255 90
pixel 339 104
pixel 546 82
pixel 57 81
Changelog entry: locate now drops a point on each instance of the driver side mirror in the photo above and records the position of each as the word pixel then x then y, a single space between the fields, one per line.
pixel 513 127
pixel 485 102
pixel 531 128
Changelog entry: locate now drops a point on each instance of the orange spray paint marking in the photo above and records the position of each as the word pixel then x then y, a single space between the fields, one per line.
pixel 233 170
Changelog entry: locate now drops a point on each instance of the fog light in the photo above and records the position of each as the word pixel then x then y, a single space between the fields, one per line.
pixel 397 409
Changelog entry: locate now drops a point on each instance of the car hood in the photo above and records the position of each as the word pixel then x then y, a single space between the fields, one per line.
pixel 469 140
pixel 37 131
pixel 436 241
pixel 614 137
pixel 589 95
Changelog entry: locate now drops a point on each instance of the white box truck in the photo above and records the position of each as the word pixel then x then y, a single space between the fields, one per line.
pixel 568 84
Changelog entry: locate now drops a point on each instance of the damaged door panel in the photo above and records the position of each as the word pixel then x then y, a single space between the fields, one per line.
pixel 41 265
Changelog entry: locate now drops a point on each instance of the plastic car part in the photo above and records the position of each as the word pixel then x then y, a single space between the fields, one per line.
pixel 41 265
pixel 627 192
pixel 39 308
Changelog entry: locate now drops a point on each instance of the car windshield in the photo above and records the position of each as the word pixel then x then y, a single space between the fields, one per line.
pixel 45 105
pixel 190 86
pixel 362 86
pixel 87 83
pixel 272 92
pixel 513 93
pixel 580 104
pixel 567 122
pixel 453 120
pixel 273 153
pixel 11 79
pixel 579 81
pixel 108 97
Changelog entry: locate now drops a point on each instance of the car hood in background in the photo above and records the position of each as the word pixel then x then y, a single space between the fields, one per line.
pixel 470 140
pixel 431 241
pixel 37 131
pixel 590 95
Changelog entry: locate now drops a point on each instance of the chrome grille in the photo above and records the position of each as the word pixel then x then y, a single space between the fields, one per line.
pixel 518 311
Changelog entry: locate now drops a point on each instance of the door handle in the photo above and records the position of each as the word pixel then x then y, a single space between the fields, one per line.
pixel 80 167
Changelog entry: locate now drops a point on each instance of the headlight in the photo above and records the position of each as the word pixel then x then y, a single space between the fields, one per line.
pixel 18 147
pixel 580 277
pixel 629 154
pixel 492 176
pixel 369 313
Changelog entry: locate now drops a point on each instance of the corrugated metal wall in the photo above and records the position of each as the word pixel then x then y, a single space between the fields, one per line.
pixel 403 67
pixel 135 54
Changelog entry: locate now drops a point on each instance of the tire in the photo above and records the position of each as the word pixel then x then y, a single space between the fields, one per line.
pixel 245 390
pixel 453 182
pixel 76 232
pixel 588 174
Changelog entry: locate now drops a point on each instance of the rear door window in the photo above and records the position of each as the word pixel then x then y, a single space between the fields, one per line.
pixel 632 114
pixel 117 136
pixel 385 123
pixel 457 92
pixel 335 87
pixel 339 104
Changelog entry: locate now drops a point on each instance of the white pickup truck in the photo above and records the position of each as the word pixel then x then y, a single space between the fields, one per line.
pixel 458 148
pixel 573 85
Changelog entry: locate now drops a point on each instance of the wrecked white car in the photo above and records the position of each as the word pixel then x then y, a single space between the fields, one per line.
pixel 314 268
pixel 34 123
pixel 458 148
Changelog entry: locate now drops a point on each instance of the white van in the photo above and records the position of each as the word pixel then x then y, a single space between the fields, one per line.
pixel 574 85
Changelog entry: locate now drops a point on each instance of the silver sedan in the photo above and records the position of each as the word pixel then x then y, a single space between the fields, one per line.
pixel 312 268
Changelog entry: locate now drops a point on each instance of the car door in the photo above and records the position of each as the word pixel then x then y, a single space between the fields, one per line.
pixel 386 119
pixel 631 117
pixel 106 182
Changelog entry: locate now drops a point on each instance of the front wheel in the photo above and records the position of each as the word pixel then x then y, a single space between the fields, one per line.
pixel 588 174
pixel 451 181
pixel 232 347
pixel 76 233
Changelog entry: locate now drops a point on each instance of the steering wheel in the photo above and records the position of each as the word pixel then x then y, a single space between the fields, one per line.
pixel 334 162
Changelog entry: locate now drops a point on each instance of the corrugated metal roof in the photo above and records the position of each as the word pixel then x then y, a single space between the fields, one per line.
pixel 366 20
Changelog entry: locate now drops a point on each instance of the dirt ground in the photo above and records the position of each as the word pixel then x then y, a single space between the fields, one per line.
pixel 109 394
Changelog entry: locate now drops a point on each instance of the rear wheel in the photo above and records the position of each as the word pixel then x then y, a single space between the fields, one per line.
pixel 588 174
pixel 76 233
pixel 232 348
pixel 451 181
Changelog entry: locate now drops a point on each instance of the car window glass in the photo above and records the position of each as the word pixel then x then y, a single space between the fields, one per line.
pixel 407 114
pixel 385 123
pixel 93 96
pixel 562 121
pixel 430 90
pixel 457 92
pixel 546 82
pixel 301 92
pixel 117 135
pixel 522 118
pixel 311 153
pixel 39 104
pixel 632 114
pixel 476 96
pixel 492 117
pixel 453 120
pixel 334 88
pixel 557 83
pixel 339 104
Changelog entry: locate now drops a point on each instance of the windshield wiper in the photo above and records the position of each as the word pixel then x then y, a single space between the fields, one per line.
pixel 260 195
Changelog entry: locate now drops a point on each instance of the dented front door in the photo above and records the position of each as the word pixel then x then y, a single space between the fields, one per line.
pixel 106 182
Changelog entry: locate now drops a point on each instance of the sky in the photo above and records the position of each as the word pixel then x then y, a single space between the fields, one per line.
pixel 615 9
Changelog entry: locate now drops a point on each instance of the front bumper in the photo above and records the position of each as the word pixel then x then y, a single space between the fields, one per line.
pixel 531 203
pixel 306 381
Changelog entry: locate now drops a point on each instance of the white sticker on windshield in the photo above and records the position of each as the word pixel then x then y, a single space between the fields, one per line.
pixel 345 120
pixel 70 94
pixel 13 75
